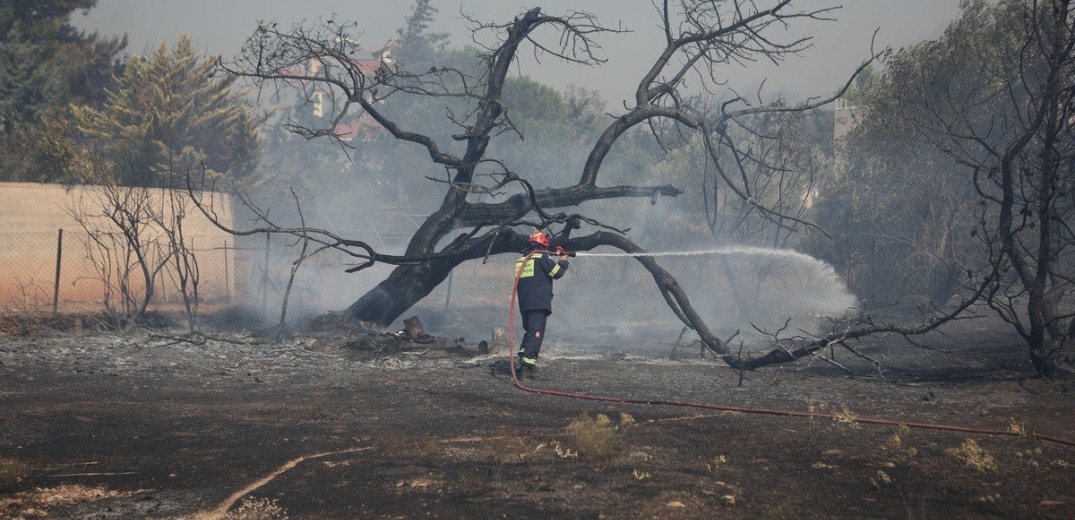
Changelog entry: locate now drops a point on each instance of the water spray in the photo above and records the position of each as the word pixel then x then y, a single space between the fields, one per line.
pixel 723 251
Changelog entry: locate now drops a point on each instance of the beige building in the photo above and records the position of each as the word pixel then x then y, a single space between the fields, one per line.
pixel 845 119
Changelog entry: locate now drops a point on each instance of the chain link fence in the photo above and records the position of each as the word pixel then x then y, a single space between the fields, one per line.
pixel 65 272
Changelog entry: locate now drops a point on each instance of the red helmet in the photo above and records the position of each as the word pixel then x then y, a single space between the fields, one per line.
pixel 537 237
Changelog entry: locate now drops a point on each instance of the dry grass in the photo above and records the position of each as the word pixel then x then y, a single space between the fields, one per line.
pixel 40 502
pixel 11 472
pixel 595 438
pixel 257 509
pixel 396 445
pixel 507 447
pixel 974 456
pixel 899 434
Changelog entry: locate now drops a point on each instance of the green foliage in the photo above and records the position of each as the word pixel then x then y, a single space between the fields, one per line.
pixel 48 151
pixel 45 64
pixel 534 101
pixel 29 84
pixel 169 112
pixel 553 131
pixel 897 210
pixel 417 46
pixel 38 19
pixel 789 153
pixel 954 135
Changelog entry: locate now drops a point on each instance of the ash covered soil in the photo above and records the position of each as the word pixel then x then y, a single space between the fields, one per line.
pixel 233 425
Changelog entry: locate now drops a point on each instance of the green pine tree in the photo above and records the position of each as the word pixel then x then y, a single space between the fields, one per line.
pixel 417 46
pixel 169 113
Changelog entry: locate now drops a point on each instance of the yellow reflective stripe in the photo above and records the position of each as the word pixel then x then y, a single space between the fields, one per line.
pixel 527 271
pixel 529 361
pixel 555 269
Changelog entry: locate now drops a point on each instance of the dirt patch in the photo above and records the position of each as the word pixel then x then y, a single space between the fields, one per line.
pixel 143 425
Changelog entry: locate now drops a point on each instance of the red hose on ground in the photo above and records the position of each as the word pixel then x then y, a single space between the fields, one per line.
pixel 729 408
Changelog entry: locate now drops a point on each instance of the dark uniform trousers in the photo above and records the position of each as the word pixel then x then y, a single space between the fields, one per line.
pixel 534 325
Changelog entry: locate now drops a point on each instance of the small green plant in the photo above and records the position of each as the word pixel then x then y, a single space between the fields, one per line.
pixel 974 456
pixel 594 438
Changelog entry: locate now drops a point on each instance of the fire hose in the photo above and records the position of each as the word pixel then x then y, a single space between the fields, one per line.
pixel 731 408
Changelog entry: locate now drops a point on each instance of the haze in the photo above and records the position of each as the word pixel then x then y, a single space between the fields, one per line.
pixel 221 27
pixel 631 309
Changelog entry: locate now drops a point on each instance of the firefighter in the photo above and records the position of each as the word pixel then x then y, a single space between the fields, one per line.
pixel 535 296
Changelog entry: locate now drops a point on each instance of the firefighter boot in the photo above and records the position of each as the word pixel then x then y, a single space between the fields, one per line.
pixel 526 366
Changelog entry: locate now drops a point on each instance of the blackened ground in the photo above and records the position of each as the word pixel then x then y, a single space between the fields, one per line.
pixel 145 426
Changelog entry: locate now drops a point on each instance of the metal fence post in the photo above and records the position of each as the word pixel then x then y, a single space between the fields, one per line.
pixel 448 296
pixel 265 279
pixel 227 277
pixel 56 284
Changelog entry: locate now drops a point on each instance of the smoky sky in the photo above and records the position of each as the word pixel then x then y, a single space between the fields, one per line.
pixel 220 27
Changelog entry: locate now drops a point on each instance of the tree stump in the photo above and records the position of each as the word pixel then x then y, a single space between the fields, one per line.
pixel 414 328
pixel 499 340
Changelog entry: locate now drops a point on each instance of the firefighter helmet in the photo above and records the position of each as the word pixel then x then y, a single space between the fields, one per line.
pixel 537 237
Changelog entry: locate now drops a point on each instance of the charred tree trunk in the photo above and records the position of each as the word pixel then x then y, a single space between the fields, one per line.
pixel 404 287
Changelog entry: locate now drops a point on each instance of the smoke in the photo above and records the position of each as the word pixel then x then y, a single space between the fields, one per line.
pixel 611 300
pixel 608 301
pixel 603 302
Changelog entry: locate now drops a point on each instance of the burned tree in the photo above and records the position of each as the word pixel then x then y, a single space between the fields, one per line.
pixel 982 120
pixel 700 39
pixel 1010 126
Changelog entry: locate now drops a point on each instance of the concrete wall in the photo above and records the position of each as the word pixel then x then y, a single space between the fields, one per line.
pixel 31 217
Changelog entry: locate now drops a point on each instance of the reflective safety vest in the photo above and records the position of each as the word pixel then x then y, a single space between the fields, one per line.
pixel 535 281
